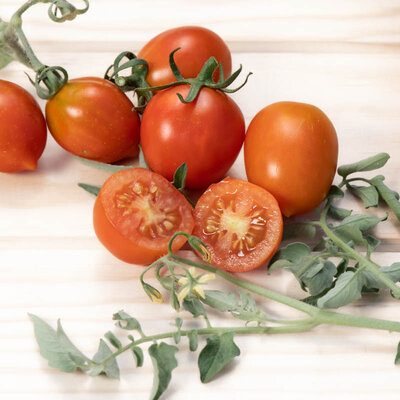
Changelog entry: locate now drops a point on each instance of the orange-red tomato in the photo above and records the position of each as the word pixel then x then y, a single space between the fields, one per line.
pixel 23 131
pixel 291 149
pixel 196 44
pixel 137 212
pixel 240 223
pixel 94 119
pixel 207 134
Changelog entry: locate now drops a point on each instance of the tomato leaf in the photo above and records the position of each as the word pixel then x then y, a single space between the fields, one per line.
pixel 193 340
pixel 392 272
pixel 113 339
pixel 218 352
pixel 319 276
pixel 220 300
pixel 180 177
pixel 90 188
pixel 390 197
pixel 142 160
pixel 338 213
pixel 346 290
pixel 164 361
pixel 368 194
pixel 56 347
pixel 194 306
pixel 291 254
pixel 369 164
pixel 397 359
pixel 111 368
pixel 138 355
pixel 102 166
pixel 299 230
pixel 125 321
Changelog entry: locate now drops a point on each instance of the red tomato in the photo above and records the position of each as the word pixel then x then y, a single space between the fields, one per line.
pixel 137 212
pixel 291 149
pixel 93 118
pixel 207 134
pixel 23 129
pixel 240 223
pixel 197 46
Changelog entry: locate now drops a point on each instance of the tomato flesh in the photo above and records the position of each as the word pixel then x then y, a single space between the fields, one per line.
pixel 240 223
pixel 137 212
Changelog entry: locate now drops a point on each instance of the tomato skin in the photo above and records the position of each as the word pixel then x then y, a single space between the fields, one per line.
pixel 248 212
pixel 196 44
pixel 291 149
pixel 120 233
pixel 23 131
pixel 207 134
pixel 92 118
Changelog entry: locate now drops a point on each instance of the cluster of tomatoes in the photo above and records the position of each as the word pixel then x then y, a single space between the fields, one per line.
pixel 290 152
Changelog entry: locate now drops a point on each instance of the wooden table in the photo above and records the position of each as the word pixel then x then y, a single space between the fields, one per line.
pixel 342 56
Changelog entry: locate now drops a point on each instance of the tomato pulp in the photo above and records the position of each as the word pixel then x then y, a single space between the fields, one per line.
pixel 240 223
pixel 137 212
pixel 94 119
pixel 196 44
pixel 291 149
pixel 207 134
pixel 23 131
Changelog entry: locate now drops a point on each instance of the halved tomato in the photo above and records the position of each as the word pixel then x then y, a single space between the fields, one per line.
pixel 136 213
pixel 240 223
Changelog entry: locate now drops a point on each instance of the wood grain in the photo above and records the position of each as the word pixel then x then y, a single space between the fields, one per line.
pixel 341 56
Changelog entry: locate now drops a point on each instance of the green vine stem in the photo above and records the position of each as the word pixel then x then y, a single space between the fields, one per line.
pixel 14 45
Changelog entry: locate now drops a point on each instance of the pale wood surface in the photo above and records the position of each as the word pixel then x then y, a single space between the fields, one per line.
pixel 342 56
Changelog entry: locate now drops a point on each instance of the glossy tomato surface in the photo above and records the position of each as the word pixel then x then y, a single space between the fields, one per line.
pixel 23 129
pixel 291 149
pixel 137 212
pixel 240 223
pixel 207 134
pixel 93 118
pixel 196 44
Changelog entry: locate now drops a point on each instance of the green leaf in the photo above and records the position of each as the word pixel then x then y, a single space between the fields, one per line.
pixel 102 166
pixel 220 300
pixel 217 353
pixel 56 347
pixel 335 192
pixel 397 359
pixel 298 230
pixel 319 277
pixel 291 254
pixel 312 300
pixel 372 242
pixel 368 194
pixel 174 301
pixel 338 213
pixel 164 361
pixel 125 321
pixel 90 188
pixel 96 370
pixel 142 160
pixel 390 197
pixel 368 164
pixel 392 272
pixel 113 339
pixel 111 369
pixel 194 306
pixel 138 354
pixel 346 290
pixel 180 177
pixel 193 340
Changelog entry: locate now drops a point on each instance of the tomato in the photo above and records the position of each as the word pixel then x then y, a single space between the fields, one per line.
pixel 137 212
pixel 240 223
pixel 93 118
pixel 291 149
pixel 196 44
pixel 207 134
pixel 23 129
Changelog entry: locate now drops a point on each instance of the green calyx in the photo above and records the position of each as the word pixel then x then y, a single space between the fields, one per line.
pixel 14 45
pixel 136 81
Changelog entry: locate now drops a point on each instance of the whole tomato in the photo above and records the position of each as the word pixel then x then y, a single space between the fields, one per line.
pixel 291 149
pixel 94 119
pixel 23 129
pixel 207 134
pixel 196 44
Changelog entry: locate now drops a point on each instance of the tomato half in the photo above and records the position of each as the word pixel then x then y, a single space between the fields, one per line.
pixel 291 149
pixel 23 131
pixel 196 44
pixel 137 212
pixel 240 223
pixel 207 134
pixel 93 118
